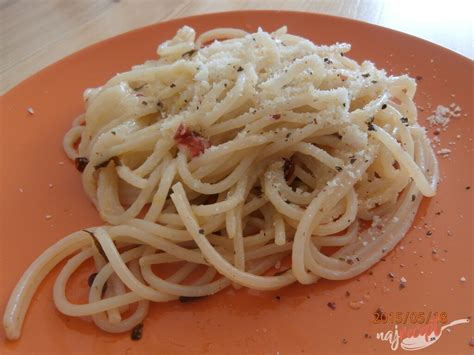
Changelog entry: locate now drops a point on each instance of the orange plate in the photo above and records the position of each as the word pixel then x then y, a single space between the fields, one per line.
pixel 242 321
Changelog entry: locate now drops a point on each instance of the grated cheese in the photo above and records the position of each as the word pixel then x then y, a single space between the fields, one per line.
pixel 444 152
pixel 442 115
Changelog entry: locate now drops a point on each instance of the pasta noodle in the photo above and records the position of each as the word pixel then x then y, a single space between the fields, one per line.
pixel 230 153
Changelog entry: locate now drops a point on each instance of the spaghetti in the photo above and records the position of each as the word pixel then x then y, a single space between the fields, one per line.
pixel 230 153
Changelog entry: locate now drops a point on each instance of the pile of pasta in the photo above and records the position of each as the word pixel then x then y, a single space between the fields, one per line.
pixel 230 154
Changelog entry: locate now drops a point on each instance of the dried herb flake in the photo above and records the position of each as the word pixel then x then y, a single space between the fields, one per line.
pixel 81 163
pixel 137 332
pixel 97 245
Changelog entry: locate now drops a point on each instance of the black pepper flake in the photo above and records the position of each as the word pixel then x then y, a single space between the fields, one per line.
pixel 384 106
pixel 327 61
pixel 413 198
pixel 173 85
pixel 189 53
pixel 277 298
pixel 81 163
pixel 370 126
pixel 366 335
pixel 113 132
pixel 429 233
pixel 144 103
pixel 201 231
pixel 374 81
pixel 419 77
pixel 338 168
pixel 342 54
pixel 344 340
pixel 276 116
pixel 468 187
pixel 137 332
pixel 402 285
pixel 187 299
pixel 352 160
pixel 371 272
pixel 350 261
pixel 332 305
pixel 160 104
pixel 348 294
pixel 404 120
pixel 240 68
pixel 391 275
pixel 366 75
